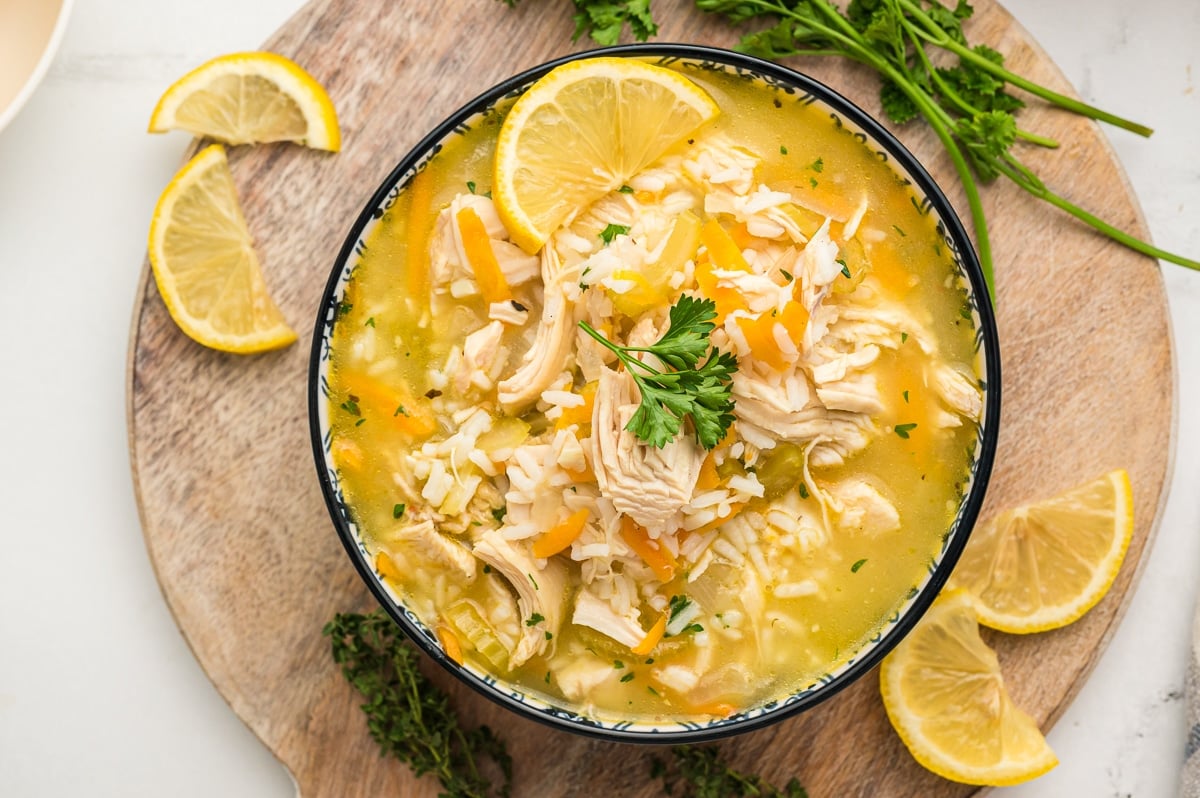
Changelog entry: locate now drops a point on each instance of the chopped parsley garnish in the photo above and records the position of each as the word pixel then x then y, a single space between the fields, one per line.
pixel 817 165
pixel 845 268
pixel 549 636
pixel 691 627
pixel 903 429
pixel 609 233
pixel 617 664
pixel 854 568
pixel 803 491
pixel 400 411
pixel 782 150
pixel 676 605
pixel 787 276
pixel 626 189
pixel 906 397
pixel 627 677
pixel 903 234
pixel 397 510
pixel 499 512
pixel 535 619
pixel 360 422
pixel 688 389
pixel 369 322
pixel 351 406
pixel 534 581
pixel 471 186
pixel 903 337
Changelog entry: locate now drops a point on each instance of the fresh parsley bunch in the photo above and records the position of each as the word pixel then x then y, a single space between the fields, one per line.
pixel 690 389
pixel 967 104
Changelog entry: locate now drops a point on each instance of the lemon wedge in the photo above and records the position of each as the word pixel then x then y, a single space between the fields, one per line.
pixel 945 697
pixel 245 98
pixel 205 265
pixel 580 132
pixel 1044 564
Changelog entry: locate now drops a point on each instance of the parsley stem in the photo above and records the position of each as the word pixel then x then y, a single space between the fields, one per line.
pixel 620 352
pixel 935 35
pixel 1013 169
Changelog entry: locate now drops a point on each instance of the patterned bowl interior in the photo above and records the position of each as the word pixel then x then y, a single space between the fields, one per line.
pixel 930 199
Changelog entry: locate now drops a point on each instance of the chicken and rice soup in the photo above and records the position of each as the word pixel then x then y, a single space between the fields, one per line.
pixel 480 433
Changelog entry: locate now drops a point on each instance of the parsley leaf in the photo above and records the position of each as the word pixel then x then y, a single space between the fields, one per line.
pixel 609 233
pixel 699 391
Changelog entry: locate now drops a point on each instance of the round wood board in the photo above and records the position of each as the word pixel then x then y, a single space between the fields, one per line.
pixel 232 514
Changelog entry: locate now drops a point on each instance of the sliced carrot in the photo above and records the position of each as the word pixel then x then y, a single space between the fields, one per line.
pixel 559 537
pixel 478 246
pixel 734 509
pixel 760 336
pixel 386 567
pixel 727 299
pixel 583 413
pixel 722 249
pixel 794 319
pixel 709 478
pixel 420 225
pixel 396 404
pixel 660 560
pixel 450 643
pixel 652 637
pixel 719 709
pixel 741 235
pixel 585 474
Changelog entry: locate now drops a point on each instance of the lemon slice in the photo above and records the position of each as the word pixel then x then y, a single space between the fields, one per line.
pixel 945 697
pixel 580 132
pixel 1045 564
pixel 246 98
pixel 205 264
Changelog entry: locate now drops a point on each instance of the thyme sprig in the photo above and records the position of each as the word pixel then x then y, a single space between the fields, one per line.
pixel 408 715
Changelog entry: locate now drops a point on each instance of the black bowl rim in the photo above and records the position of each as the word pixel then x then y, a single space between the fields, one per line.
pixel 989 424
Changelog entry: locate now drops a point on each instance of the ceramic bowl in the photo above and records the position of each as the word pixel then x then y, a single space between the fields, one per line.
pixel 926 192
pixel 30 32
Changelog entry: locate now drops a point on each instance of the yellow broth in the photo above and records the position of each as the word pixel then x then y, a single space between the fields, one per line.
pixel 387 337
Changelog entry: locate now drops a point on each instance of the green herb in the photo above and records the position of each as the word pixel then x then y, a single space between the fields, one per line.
pixel 676 605
pixel 471 186
pixel 701 392
pixel 812 181
pixel 691 627
pixel 903 429
pixel 345 307
pixel 903 337
pixel 409 716
pixel 397 510
pixel 351 406
pixel 903 234
pixel 651 690
pixel 626 189
pixel 817 165
pixel 906 397
pixel 617 664
pixel 845 268
pixel 535 619
pixel 699 772
pixel 611 231
pixel 360 422
pixel 854 568
pixel 965 103
pixel 487 569
pixel 782 150
pixel 499 512
pixel 787 276
pixel 534 581
pixel 369 322
pixel 803 491
pixel 400 411
pixel 549 636
pixel 627 677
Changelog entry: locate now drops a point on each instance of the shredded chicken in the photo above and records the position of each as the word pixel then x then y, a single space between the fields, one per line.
pixel 540 591
pixel 547 357
pixel 598 614
pixel 424 538
pixel 860 507
pixel 480 353
pixel 649 485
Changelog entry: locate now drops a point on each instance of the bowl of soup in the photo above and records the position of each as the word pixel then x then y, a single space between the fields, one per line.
pixel 479 456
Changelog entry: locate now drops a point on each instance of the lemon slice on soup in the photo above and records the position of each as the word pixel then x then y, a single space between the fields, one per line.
pixel 580 132
pixel 247 98
pixel 946 698
pixel 1044 564
pixel 205 265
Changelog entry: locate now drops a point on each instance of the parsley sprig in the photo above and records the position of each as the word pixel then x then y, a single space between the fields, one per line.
pixel 407 714
pixel 967 104
pixel 691 389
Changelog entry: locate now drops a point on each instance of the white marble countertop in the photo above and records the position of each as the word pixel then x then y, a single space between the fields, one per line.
pixel 99 694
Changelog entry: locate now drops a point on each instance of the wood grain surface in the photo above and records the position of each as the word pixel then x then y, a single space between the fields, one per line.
pixel 232 514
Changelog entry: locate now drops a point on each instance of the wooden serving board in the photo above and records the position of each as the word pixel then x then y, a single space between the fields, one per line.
pixel 243 547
